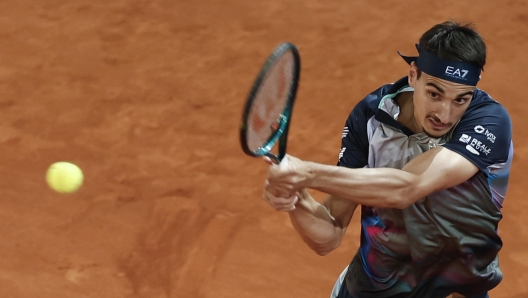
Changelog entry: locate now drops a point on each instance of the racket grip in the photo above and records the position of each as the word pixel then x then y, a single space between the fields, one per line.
pixel 284 162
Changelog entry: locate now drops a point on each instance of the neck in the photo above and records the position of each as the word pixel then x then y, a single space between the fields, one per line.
pixel 406 116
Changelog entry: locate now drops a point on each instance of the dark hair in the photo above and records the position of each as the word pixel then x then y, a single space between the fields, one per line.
pixel 455 41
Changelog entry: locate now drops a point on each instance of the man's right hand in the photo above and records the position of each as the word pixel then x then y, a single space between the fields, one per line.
pixel 279 201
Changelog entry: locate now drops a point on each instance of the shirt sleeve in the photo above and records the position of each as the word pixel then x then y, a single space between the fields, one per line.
pixel 354 142
pixel 483 136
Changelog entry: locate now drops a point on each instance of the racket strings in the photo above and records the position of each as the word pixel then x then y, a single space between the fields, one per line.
pixel 266 114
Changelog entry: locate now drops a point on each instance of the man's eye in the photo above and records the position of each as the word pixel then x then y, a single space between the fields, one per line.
pixel 433 94
pixel 461 101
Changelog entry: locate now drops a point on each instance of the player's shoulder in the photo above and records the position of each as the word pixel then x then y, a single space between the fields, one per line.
pixel 371 102
pixel 483 105
pixel 484 112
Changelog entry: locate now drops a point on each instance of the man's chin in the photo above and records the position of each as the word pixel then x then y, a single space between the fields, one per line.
pixel 436 133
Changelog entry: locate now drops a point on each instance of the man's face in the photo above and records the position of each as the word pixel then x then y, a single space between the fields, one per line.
pixel 438 104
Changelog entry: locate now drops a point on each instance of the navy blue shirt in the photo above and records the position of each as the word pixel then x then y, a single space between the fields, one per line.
pixel 446 242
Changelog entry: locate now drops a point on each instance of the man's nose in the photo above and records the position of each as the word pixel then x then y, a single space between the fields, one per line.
pixel 442 113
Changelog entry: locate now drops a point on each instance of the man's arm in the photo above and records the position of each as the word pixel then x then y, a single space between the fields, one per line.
pixel 321 226
pixel 434 170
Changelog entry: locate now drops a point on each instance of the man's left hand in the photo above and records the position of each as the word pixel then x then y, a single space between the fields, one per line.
pixel 291 178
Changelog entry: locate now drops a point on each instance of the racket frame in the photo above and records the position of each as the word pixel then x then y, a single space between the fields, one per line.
pixel 281 134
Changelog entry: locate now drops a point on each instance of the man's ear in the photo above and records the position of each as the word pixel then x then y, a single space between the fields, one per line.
pixel 413 75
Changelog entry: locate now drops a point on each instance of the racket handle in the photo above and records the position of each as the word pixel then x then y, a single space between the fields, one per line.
pixel 284 162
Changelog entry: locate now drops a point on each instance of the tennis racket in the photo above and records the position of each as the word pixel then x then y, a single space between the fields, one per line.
pixel 267 113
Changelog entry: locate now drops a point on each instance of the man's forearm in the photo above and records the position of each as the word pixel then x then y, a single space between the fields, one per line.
pixel 380 187
pixel 315 225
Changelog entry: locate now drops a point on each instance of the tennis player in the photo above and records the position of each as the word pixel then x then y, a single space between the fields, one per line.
pixel 427 159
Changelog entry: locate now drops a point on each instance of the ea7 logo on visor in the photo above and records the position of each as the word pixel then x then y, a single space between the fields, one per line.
pixel 446 69
pixel 456 72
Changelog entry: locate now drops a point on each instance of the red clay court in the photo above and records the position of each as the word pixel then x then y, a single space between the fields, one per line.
pixel 146 97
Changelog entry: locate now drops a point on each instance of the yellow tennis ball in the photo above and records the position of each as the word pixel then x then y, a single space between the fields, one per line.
pixel 64 177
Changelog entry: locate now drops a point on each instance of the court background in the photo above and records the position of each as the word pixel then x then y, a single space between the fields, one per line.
pixel 146 97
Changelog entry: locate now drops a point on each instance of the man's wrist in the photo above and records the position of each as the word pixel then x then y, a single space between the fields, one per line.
pixel 313 171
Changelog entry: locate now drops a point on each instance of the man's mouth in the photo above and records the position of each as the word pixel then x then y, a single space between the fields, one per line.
pixel 437 125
